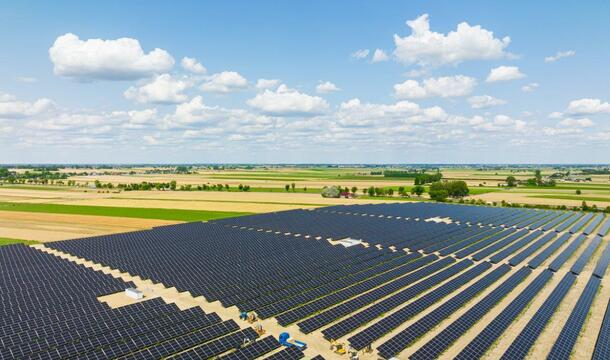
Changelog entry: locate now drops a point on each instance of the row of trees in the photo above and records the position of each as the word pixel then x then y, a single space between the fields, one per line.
pixel 441 190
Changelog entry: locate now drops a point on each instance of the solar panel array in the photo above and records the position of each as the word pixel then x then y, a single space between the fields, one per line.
pixel 281 265
pixel 50 309
pixel 602 345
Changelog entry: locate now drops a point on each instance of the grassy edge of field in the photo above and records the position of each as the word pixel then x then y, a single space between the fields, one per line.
pixel 126 212
pixel 571 197
pixel 9 241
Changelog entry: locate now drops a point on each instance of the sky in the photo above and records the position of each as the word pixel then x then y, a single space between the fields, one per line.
pixel 304 82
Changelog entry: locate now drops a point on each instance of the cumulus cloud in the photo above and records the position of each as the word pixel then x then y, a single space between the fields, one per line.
pixel 379 56
pixel 484 101
pixel 571 122
pixel 530 87
pixel 559 55
pixel 285 101
pixel 192 65
pixel 588 106
pixel 164 89
pixel 360 54
pixel 326 87
pixel 263 84
pixel 225 82
pixel 428 48
pixel 354 113
pixel 448 86
pixel 504 73
pixel 67 121
pixel 120 59
pixel 11 108
pixel 501 123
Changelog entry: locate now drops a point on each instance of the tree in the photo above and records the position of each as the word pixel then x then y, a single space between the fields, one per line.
pixel 172 185
pixel 304 188
pixel 371 191
pixel 511 181
pixel 354 189
pixel 331 192
pixel 390 191
pixel 417 190
pixel 584 206
pixel 438 192
pixel 538 177
pixel 240 187
pixel 457 188
pixel 292 185
pixel 578 192
pixel 287 187
pixel 401 190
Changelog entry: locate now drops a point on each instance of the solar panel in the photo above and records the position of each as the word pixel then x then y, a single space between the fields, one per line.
pixel 602 263
pixel 517 259
pixel 603 230
pixel 602 345
pixel 479 345
pixel 583 259
pixel 540 258
pixel 590 229
pixel 252 351
pixel 567 253
pixel 290 353
pixel 360 340
pixel 527 337
pixel 400 341
pixel 455 330
pixel 569 334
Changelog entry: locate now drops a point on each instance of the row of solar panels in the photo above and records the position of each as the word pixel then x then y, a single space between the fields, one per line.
pixel 263 271
pixel 51 311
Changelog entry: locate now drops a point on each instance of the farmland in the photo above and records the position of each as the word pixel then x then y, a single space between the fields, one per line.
pixel 122 210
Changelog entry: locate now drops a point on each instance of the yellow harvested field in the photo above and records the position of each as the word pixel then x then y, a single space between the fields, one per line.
pixel 51 227
pixel 525 198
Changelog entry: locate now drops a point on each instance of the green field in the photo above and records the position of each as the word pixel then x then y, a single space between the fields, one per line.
pixel 7 241
pixel 141 213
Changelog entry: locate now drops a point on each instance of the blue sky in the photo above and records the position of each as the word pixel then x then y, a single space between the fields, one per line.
pixel 462 82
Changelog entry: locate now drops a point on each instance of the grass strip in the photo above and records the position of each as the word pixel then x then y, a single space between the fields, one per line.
pixel 128 212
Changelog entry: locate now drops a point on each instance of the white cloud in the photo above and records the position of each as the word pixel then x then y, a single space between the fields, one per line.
pixel 379 56
pixel 11 108
pixel 66 121
pixel 151 139
pixel 285 101
pixel 236 137
pixel 500 123
pixel 427 48
pixel 559 55
pixel 555 131
pixel 555 115
pixel 326 87
pixel 354 113
pixel 263 84
pixel 530 87
pixel 360 54
pixel 120 59
pixel 192 65
pixel 448 86
pixel 164 89
pixel 570 122
pixel 27 79
pixel 504 73
pixel 588 106
pixel 225 82
pixel 484 101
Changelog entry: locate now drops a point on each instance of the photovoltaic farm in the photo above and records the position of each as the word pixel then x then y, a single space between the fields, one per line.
pixel 405 280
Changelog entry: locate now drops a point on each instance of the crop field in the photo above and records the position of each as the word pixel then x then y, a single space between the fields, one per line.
pixel 266 193
pixel 411 280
